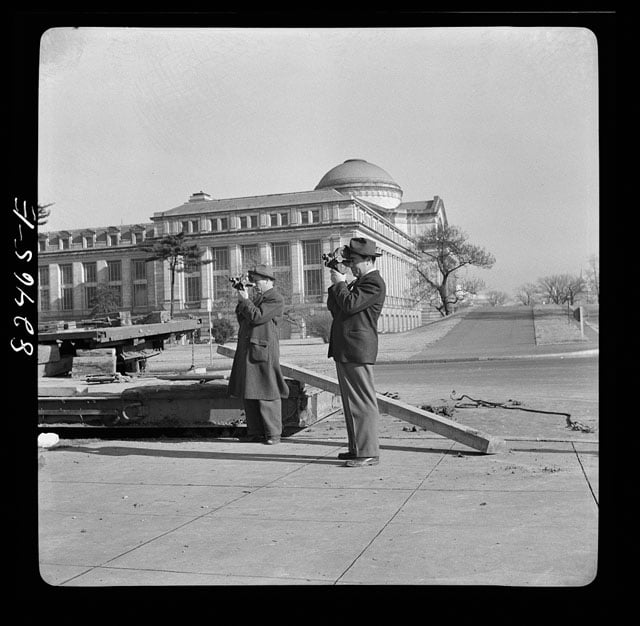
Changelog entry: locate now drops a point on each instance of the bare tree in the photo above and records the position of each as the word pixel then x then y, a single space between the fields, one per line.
pixel 593 276
pixel 441 252
pixel 496 298
pixel 562 288
pixel 528 294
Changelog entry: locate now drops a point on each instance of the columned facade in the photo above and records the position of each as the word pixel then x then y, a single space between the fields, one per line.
pixel 289 231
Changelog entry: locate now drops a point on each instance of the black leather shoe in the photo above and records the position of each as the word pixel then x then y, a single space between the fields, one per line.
pixel 361 461
pixel 346 455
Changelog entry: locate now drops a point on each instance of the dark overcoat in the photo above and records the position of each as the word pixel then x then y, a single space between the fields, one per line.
pixel 355 310
pixel 256 373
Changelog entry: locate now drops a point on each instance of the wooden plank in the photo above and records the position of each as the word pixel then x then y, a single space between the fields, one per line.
pixel 425 419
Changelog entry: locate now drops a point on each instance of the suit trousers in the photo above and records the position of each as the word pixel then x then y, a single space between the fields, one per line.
pixel 360 407
pixel 264 418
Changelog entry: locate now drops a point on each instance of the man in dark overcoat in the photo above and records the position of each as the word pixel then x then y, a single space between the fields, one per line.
pixel 256 376
pixel 355 309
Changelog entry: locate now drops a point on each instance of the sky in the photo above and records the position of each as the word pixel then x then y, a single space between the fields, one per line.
pixel 499 122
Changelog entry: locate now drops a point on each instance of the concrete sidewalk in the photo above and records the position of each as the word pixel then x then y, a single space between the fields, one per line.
pixel 222 512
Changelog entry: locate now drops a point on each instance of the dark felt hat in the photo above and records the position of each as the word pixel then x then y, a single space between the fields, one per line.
pixel 361 246
pixel 266 271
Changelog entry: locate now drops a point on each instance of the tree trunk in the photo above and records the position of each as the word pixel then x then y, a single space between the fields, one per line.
pixel 173 280
pixel 443 297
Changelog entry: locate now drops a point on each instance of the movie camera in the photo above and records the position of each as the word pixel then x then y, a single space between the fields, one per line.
pixel 337 260
pixel 240 282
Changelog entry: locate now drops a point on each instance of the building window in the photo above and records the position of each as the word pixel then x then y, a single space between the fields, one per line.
pixel 248 221
pixel 134 238
pixel 67 298
pixel 139 294
pixel 113 240
pixel 90 292
pixel 139 275
pixel 65 243
pixel 139 269
pixel 90 279
pixel 313 285
pixel 278 219
pixel 90 272
pixel 281 254
pixel 42 245
pixel 87 241
pixel 43 288
pixel 310 217
pixel 220 223
pixel 312 266
pixel 220 271
pixel 195 226
pixel 114 277
pixel 219 259
pixel 192 290
pixel 114 271
pixel 312 252
pixel 66 281
pixel 66 274
pixel 250 256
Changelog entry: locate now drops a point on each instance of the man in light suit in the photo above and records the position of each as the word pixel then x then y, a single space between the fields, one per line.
pixel 256 376
pixel 354 347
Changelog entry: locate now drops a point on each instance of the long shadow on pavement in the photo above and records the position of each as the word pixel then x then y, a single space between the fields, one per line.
pixel 271 455
pixel 194 454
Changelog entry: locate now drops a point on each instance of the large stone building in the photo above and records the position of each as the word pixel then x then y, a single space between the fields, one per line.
pixel 289 231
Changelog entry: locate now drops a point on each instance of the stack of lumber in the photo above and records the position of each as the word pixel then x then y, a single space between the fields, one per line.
pixel 50 363
pixel 93 362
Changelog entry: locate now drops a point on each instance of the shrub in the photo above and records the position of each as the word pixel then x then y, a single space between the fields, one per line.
pixel 222 330
pixel 319 325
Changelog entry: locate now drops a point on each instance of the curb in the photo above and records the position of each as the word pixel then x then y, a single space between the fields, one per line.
pixel 580 353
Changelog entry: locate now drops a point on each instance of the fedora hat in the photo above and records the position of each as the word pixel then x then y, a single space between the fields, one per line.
pixel 362 246
pixel 266 271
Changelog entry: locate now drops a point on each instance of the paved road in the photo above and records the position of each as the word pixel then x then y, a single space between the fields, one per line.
pixel 553 377
pixel 484 329
pixel 497 331
pixel 552 384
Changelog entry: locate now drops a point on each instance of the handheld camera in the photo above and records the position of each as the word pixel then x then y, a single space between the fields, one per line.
pixel 240 283
pixel 336 260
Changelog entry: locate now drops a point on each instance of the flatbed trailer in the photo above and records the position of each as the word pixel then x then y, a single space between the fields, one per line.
pixel 131 345
pixel 147 402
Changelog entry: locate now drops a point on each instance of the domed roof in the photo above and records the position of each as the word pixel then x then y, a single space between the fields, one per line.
pixel 364 180
pixel 355 171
